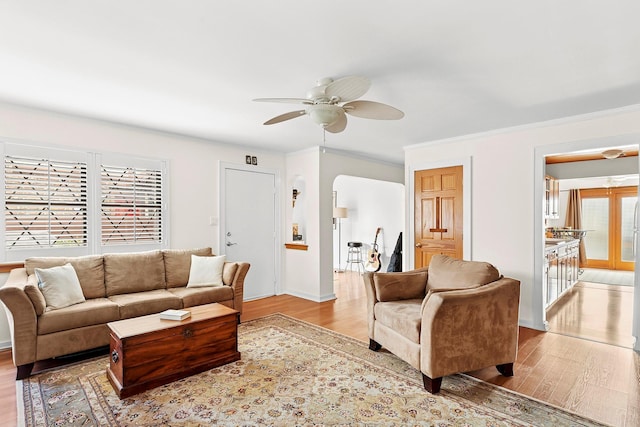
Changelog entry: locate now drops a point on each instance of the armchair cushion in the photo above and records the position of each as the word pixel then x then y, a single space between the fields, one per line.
pixel 450 273
pixel 402 317
pixel 400 286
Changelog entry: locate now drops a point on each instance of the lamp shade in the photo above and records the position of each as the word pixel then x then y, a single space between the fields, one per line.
pixel 339 212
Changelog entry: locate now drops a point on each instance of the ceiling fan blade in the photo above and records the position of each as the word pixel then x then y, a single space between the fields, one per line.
pixel 348 88
pixel 286 116
pixel 372 110
pixel 285 100
pixel 339 125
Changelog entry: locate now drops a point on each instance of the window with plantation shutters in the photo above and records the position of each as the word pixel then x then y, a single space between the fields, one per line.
pixel 45 203
pixel 64 202
pixel 131 205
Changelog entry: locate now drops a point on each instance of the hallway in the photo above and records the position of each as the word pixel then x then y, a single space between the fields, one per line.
pixel 595 311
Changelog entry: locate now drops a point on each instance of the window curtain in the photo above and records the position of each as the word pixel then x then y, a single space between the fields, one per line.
pixel 574 219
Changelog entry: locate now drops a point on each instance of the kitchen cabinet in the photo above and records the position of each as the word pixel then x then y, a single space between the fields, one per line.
pixel 561 268
pixel 551 197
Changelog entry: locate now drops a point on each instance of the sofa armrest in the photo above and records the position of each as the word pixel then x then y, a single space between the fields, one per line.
pixel 370 292
pixel 470 329
pixel 21 316
pixel 238 285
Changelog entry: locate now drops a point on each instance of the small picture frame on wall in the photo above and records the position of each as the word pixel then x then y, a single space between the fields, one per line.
pixel 254 160
pixel 247 159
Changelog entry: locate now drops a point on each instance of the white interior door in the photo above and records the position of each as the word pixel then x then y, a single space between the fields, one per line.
pixel 248 216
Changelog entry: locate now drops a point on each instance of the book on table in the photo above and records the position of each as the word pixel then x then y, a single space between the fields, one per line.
pixel 175 314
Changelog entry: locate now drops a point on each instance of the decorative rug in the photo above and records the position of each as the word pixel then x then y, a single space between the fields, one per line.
pixel 291 373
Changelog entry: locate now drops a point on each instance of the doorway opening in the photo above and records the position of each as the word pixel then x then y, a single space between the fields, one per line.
pixel 588 280
pixel 363 205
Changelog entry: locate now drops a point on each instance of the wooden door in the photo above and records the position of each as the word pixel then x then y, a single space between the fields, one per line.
pixel 438 214
pixel 609 215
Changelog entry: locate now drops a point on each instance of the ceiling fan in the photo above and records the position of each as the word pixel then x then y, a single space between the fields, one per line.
pixel 330 99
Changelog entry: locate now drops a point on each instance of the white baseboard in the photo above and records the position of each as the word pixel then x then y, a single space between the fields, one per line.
pixel 5 344
pixel 315 298
pixel 532 325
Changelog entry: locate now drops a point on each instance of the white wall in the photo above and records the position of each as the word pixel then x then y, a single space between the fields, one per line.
pixel 193 163
pixel 310 273
pixel 506 210
pixel 370 204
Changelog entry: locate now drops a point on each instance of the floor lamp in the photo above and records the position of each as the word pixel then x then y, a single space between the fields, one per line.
pixel 339 213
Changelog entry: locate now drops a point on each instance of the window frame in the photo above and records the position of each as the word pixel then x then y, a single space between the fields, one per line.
pixel 93 161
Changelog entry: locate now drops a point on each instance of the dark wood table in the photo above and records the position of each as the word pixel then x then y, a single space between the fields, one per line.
pixel 146 352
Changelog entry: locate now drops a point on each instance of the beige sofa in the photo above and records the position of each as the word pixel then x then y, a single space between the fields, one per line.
pixel 454 316
pixel 115 286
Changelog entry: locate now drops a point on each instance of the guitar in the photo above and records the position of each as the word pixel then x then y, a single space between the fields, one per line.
pixel 373 257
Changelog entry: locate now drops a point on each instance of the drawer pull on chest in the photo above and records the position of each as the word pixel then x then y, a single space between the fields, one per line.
pixel 187 333
pixel 114 356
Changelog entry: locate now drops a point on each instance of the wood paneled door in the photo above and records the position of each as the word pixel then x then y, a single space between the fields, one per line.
pixel 438 214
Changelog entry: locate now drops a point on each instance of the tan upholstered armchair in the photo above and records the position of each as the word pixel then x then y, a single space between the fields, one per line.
pixel 454 316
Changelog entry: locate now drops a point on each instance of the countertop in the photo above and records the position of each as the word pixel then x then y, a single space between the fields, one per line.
pixel 551 243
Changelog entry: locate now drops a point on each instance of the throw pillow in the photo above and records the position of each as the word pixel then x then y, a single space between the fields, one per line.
pixel 59 286
pixel 206 271
pixel 400 286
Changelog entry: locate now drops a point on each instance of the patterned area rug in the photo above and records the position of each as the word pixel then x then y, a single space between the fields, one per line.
pixel 291 374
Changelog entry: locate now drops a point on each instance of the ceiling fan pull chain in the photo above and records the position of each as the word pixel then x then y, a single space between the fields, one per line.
pixel 324 140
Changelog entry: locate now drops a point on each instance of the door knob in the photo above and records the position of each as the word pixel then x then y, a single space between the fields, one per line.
pixel 418 245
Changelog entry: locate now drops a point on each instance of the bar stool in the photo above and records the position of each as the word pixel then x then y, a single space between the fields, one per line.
pixel 354 256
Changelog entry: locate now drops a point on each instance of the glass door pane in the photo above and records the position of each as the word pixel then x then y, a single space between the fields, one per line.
pixel 595 218
pixel 627 224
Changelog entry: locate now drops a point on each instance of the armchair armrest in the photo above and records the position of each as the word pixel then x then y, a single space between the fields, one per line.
pixel 470 329
pixel 21 316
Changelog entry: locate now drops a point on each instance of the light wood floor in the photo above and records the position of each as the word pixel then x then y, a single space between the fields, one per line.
pixel 594 311
pixel 592 379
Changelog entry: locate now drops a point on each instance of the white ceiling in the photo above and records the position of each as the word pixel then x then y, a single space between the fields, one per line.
pixel 193 67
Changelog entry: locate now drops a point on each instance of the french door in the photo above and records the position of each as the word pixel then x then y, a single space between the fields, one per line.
pixel 610 216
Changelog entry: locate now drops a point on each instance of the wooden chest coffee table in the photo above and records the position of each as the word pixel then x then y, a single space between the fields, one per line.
pixel 146 352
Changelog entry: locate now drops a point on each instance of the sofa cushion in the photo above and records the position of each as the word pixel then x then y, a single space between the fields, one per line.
pixel 206 271
pixel 450 273
pixel 177 263
pixel 91 312
pixel 33 292
pixel 142 303
pixel 404 317
pixel 59 286
pixel 198 296
pixel 229 271
pixel 88 268
pixel 400 286
pixel 133 272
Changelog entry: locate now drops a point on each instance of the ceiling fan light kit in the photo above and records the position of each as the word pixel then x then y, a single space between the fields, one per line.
pixel 330 100
pixel 612 154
